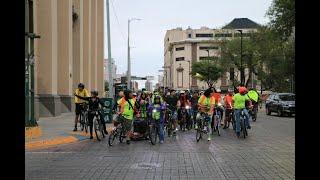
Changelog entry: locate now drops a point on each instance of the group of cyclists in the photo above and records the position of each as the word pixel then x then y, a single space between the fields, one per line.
pixel 185 108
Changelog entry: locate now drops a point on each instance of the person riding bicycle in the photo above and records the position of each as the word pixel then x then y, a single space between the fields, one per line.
pixel 143 103
pixel 228 106
pixel 172 101
pixel 157 110
pixel 217 98
pixel 239 102
pixel 194 106
pixel 94 102
pixel 183 102
pixel 126 113
pixel 206 104
pixel 80 91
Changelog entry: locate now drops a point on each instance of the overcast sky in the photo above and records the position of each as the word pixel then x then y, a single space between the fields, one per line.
pixel 146 36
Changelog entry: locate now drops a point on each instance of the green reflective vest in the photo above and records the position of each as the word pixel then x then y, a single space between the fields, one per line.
pixel 128 110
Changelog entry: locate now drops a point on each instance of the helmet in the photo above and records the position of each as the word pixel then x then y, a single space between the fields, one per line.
pixel 134 94
pixel 80 85
pixel 182 92
pixel 218 90
pixel 242 90
pixel 230 90
pixel 94 92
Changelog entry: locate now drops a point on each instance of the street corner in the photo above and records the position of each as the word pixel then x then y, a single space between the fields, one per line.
pixel 50 142
pixel 32 132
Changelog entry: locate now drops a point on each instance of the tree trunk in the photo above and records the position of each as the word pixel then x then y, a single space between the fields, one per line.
pixel 249 78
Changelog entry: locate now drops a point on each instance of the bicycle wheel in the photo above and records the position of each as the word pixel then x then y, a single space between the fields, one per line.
pixel 122 135
pixel 218 125
pixel 153 134
pixel 169 127
pixel 96 128
pixel 199 132
pixel 101 127
pixel 243 128
pixel 112 137
pixel 81 121
pixel 86 122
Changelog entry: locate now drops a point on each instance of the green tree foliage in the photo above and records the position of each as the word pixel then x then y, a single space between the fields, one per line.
pixel 207 70
pixel 282 17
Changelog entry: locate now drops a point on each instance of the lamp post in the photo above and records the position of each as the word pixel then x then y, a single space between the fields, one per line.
pixel 208 50
pixel 129 63
pixel 241 68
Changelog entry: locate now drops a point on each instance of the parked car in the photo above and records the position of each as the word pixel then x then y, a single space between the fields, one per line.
pixel 281 103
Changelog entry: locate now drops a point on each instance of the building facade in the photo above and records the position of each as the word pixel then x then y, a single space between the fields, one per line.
pixel 106 69
pixel 148 85
pixel 69 51
pixel 184 47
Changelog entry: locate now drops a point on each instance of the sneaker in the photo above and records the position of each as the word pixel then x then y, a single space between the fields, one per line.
pixel 161 142
pixel 75 129
pixel 91 137
pixel 196 126
pixel 238 134
pixel 209 137
pixel 106 132
pixel 249 127
pixel 128 141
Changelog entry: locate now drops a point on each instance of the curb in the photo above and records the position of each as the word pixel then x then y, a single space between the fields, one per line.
pixel 64 138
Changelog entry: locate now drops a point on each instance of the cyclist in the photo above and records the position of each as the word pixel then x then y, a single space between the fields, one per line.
pixel 217 98
pixel 143 103
pixel 194 106
pixel 80 91
pixel 158 115
pixel 239 101
pixel 183 102
pixel 206 105
pixel 126 112
pixel 93 103
pixel 172 101
pixel 229 107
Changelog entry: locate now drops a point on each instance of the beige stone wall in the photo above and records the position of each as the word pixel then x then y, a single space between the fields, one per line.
pixel 68 52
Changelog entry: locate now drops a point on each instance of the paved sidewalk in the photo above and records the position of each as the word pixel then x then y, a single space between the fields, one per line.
pixel 57 131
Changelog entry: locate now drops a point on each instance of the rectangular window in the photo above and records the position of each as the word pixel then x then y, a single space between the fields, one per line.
pixel 231 74
pixel 243 35
pixel 208 47
pixel 223 35
pixel 180 59
pixel 204 35
pixel 189 35
pixel 179 48
pixel 205 57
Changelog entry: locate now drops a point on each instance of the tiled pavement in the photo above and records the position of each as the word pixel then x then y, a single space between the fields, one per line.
pixel 268 153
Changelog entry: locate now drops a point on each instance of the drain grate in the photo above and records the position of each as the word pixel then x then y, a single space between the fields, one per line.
pixel 145 165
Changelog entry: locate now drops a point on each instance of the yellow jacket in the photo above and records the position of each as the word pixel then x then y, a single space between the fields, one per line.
pixel 83 93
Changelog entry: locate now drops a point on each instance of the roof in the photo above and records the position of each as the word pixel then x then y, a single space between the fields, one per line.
pixel 241 23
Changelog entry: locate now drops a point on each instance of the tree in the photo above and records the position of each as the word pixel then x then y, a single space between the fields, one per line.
pixel 282 17
pixel 207 70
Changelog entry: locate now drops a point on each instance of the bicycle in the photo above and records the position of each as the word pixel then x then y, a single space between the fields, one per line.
pixel 118 131
pixel 168 126
pixel 84 123
pixel 97 125
pixel 203 126
pixel 216 122
pixel 243 127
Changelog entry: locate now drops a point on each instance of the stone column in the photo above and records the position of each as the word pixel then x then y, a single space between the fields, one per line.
pixel 86 44
pixel 49 101
pixel 100 47
pixel 93 34
pixel 65 60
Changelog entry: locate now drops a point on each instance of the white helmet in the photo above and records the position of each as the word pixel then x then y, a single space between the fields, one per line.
pixel 218 90
pixel 182 92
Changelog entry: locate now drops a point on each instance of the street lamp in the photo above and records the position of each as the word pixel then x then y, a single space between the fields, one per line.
pixel 208 50
pixel 129 63
pixel 241 68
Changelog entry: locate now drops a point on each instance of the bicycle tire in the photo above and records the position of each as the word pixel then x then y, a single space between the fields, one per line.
pixel 199 132
pixel 122 135
pixel 243 128
pixel 96 128
pixel 153 135
pixel 81 121
pixel 86 122
pixel 101 128
pixel 112 137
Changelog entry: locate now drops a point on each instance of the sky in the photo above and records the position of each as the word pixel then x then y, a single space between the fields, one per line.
pixel 158 16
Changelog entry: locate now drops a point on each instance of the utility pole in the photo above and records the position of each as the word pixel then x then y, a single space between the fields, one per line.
pixel 241 68
pixel 111 94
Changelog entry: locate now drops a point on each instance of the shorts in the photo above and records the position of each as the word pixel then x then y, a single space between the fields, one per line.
pixel 78 108
pixel 127 123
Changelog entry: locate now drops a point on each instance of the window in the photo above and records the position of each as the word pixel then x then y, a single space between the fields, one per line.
pixel 205 57
pixel 287 97
pixel 204 35
pixel 243 35
pixel 223 35
pixel 179 48
pixel 208 47
pixel 180 59
pixel 189 35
